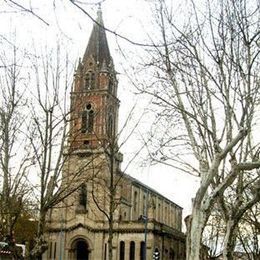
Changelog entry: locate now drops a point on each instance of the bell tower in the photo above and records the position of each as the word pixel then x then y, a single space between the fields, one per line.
pixel 94 102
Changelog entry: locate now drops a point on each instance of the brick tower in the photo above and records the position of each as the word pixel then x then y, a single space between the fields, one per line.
pixel 94 102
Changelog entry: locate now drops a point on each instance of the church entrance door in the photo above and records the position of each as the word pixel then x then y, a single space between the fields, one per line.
pixel 82 250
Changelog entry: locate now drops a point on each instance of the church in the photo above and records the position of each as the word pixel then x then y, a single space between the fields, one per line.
pixel 108 210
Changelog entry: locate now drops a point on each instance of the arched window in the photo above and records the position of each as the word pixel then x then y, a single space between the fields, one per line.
pixel 87 119
pixel 132 251
pixel 122 250
pixel 142 251
pixel 90 80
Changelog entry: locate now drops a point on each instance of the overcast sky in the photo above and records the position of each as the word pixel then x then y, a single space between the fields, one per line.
pixel 69 25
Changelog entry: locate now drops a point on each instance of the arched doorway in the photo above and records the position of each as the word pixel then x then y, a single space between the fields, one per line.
pixel 81 249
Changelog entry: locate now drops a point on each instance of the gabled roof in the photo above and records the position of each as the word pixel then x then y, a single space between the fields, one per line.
pixel 97 45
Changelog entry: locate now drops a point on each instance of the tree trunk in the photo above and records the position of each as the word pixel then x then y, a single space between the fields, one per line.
pixel 111 205
pixel 229 240
pixel 110 241
pixel 194 233
pixel 40 245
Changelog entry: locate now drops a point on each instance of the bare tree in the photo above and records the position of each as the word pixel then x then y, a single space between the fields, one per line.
pixel 117 179
pixel 15 153
pixel 49 135
pixel 108 179
pixel 206 86
pixel 110 186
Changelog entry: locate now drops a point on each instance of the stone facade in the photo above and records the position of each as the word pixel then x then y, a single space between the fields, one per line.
pixel 144 221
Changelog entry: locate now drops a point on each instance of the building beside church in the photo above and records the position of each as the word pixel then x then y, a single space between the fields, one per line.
pixel 144 221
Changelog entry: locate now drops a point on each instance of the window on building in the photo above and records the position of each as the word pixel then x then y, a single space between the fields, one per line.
pixel 169 216
pixel 144 205
pixel 135 201
pixel 132 251
pixel 173 217
pixel 122 250
pixel 142 251
pixel 54 250
pixel 83 196
pixel 90 80
pixel 105 253
pixel 110 126
pixel 159 212
pixel 87 123
pixel 50 250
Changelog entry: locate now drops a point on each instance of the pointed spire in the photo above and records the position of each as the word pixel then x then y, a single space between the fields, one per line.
pixel 98 46
pixel 99 14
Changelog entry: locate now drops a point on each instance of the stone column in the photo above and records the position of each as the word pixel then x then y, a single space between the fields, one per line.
pixel 127 249
pixel 137 250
